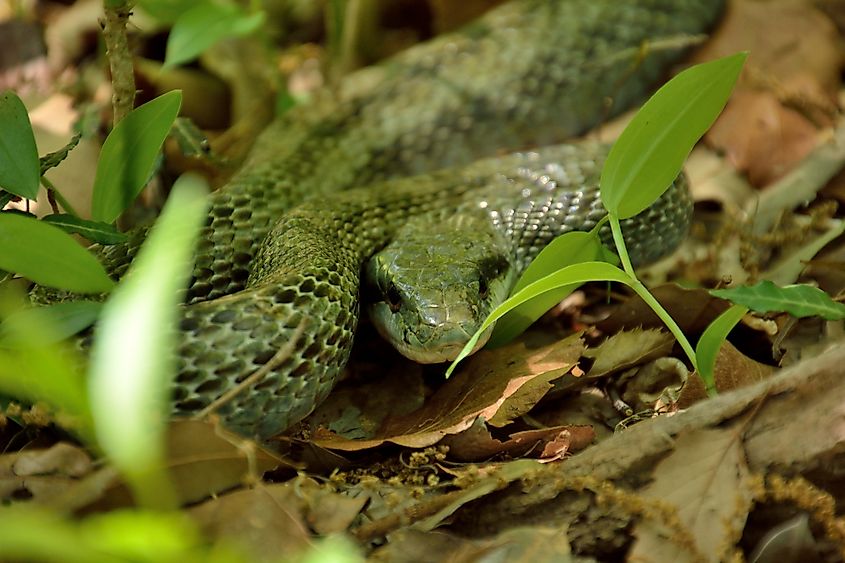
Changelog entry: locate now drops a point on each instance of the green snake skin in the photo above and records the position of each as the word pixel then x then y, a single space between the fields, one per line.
pixel 431 288
pixel 528 73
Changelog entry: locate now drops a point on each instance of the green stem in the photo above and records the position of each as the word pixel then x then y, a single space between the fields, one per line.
pixel 59 197
pixel 646 296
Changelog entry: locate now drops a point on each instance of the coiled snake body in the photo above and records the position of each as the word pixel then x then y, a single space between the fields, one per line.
pixel 526 74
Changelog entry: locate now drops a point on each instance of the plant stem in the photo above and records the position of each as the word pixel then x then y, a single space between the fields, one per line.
pixel 646 296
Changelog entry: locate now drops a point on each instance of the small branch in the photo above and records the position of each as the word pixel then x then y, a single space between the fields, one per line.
pixel 120 59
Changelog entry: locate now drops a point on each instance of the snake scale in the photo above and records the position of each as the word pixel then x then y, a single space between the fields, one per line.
pixel 528 73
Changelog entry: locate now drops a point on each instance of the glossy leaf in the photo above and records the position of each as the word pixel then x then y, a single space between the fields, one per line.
pixel 104 233
pixel 129 154
pixel 565 250
pixel 797 300
pixel 204 25
pixel 711 341
pixel 651 150
pixel 564 278
pixel 132 360
pixel 49 256
pixel 20 170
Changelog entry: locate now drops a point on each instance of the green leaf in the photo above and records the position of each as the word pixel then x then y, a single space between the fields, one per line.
pixel 129 153
pixel 651 150
pixel 166 11
pixel 711 341
pixel 132 360
pixel 53 159
pixel 64 319
pixel 565 250
pixel 797 300
pixel 103 233
pixel 34 367
pixel 20 171
pixel 49 256
pixel 564 278
pixel 201 27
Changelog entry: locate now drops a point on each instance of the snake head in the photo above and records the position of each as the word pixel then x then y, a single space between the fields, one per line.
pixel 430 290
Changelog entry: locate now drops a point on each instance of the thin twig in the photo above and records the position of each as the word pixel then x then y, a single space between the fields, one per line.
pixel 259 374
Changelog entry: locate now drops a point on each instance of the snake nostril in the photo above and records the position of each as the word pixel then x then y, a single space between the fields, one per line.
pixel 483 288
pixel 393 298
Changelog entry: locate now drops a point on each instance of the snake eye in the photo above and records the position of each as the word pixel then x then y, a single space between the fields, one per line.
pixel 393 298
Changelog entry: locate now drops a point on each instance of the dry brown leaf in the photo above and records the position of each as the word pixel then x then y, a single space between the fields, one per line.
pixel 628 348
pixel 692 309
pixel 733 370
pixel 704 480
pixel 481 390
pixel 477 444
pixel 43 475
pixel 788 90
pixel 268 521
pixel 516 545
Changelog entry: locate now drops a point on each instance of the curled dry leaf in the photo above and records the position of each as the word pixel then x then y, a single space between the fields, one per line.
pixel 494 380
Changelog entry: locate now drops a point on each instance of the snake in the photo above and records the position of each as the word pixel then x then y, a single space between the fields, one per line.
pixel 431 288
pixel 328 184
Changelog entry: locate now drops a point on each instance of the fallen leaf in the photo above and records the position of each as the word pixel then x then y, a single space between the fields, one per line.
pixel 788 90
pixel 477 444
pixel 481 390
pixel 628 348
pixel 704 480
pixel 733 370
pixel 517 545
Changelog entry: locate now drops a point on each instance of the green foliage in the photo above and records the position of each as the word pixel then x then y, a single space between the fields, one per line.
pixel 129 154
pixel 104 233
pixel 63 319
pixel 49 256
pixel 200 27
pixel 132 360
pixel 570 248
pixel 19 165
pixel 797 300
pixel 711 341
pixel 651 150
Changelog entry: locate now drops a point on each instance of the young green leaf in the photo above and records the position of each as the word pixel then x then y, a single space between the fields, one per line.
pixel 204 25
pixel 651 150
pixel 49 256
pixel 797 300
pixel 573 275
pixel 64 319
pixel 129 153
pixel 565 250
pixel 104 233
pixel 53 159
pixel 20 170
pixel 711 341
pixel 132 360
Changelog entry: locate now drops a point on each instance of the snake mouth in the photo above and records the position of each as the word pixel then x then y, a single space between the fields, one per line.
pixel 446 351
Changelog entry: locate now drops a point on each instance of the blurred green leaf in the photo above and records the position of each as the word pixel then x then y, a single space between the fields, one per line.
pixel 204 25
pixel 49 256
pixel 651 150
pixel 166 11
pixel 20 170
pixel 133 356
pixel 35 368
pixel 797 300
pixel 64 319
pixel 103 233
pixel 711 341
pixel 129 153
pixel 565 278
pixel 565 250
